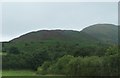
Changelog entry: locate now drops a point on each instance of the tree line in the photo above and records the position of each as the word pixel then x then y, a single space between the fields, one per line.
pixel 70 59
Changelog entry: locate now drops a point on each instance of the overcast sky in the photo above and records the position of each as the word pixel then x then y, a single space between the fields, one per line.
pixel 21 18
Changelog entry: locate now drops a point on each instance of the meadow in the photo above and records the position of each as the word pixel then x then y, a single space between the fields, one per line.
pixel 18 73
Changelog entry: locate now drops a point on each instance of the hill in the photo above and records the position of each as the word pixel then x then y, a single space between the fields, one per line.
pixel 56 35
pixel 93 35
pixel 38 40
pixel 107 33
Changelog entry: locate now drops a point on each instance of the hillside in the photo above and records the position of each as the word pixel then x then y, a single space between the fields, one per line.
pixel 103 32
pixel 56 35
pixel 92 35
pixel 39 39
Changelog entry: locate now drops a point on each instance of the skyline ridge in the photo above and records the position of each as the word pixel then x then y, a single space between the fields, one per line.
pixel 39 30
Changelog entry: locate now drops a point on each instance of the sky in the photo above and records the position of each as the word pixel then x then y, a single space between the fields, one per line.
pixel 23 17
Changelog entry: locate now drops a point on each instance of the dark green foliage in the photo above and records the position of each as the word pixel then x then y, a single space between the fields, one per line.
pixel 13 50
pixel 38 58
pixel 30 57
pixel 83 66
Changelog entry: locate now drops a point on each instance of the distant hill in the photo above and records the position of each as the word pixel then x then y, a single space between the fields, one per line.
pixel 92 35
pixel 55 35
pixel 103 32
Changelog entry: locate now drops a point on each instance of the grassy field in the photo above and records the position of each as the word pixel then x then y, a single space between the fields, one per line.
pixel 38 77
pixel 32 74
pixel 25 74
pixel 18 73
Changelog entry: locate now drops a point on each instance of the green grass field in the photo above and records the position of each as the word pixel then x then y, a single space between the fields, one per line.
pixel 38 77
pixel 18 73
pixel 26 74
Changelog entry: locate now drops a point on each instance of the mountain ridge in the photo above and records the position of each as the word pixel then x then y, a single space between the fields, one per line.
pixel 98 32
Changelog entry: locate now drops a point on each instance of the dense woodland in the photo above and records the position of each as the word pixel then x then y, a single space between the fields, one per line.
pixel 65 59
pixel 71 57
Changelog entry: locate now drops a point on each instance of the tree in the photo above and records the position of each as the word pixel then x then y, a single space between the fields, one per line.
pixel 38 59
pixel 14 50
